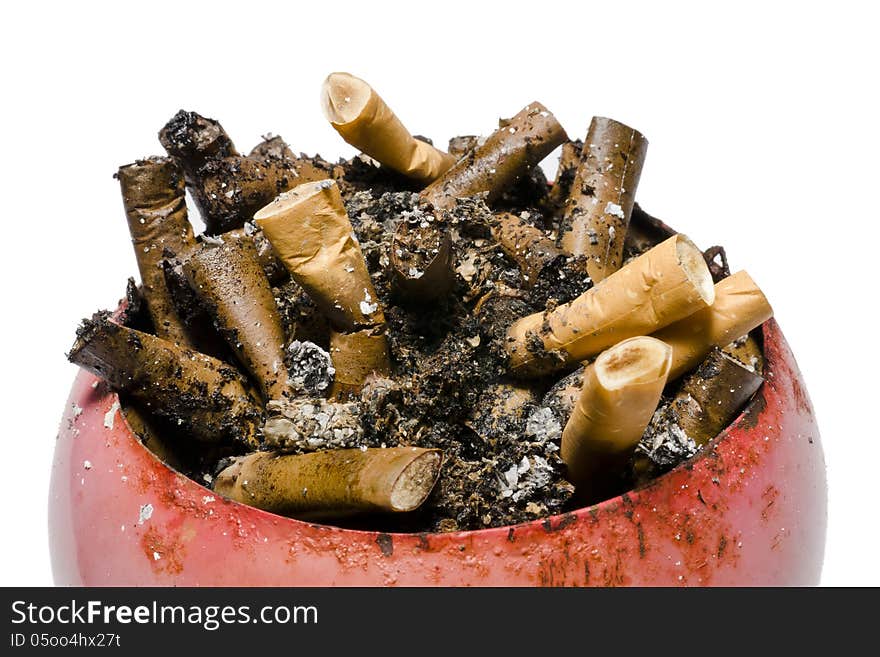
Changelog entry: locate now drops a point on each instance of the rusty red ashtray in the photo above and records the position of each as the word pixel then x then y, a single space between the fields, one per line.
pixel 749 509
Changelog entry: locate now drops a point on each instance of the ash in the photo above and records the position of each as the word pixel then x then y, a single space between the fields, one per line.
pixel 310 367
pixel 664 443
pixel 543 426
pixel 310 424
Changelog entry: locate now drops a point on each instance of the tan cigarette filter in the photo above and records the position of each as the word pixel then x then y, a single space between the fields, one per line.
pixel 312 235
pixel 355 357
pixel 662 286
pixel 155 205
pixel 620 393
pixel 600 203
pixel 232 285
pixel 333 483
pixel 739 307
pixel 363 119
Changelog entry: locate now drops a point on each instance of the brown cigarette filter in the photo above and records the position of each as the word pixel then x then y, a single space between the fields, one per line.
pixel 355 357
pixel 525 244
pixel 504 158
pixel 748 352
pixel 739 307
pixel 620 393
pixel 233 287
pixel 421 260
pixel 202 396
pixel 312 235
pixel 363 119
pixel 662 286
pixel 333 483
pixel 153 194
pixel 600 204
pixel 712 396
pixel 272 266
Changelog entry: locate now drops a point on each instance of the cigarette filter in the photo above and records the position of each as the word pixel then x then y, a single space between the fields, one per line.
pixel 525 244
pixel 505 157
pixel 620 393
pixel 202 396
pixel 355 357
pixel 312 235
pixel 231 283
pixel 333 483
pixel 153 194
pixel 662 286
pixel 712 396
pixel 739 307
pixel 363 119
pixel 600 203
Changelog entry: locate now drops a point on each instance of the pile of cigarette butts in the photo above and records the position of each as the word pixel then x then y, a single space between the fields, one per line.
pixel 649 354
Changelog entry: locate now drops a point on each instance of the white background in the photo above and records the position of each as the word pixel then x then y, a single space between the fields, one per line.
pixel 762 121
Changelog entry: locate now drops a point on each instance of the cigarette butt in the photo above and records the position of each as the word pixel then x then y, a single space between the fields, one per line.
pixel 739 307
pixel 600 204
pixel 310 424
pixel 199 324
pixel 304 169
pixel 569 159
pixel 194 139
pixel 230 190
pixel 202 396
pixel 505 157
pixel 333 483
pixel 355 357
pixel 621 390
pixel 312 235
pixel 233 287
pixel 662 286
pixel 363 119
pixel 712 396
pixel 421 261
pixel 153 194
pixel 526 245
pixel 748 352
pixel 500 409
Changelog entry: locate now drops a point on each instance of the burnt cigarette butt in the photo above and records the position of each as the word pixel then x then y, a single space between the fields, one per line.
pixel 311 424
pixel 230 190
pixel 333 483
pixel 312 235
pixel 503 159
pixel 355 357
pixel 230 281
pixel 739 307
pixel 526 245
pixel 712 396
pixel 305 169
pixel 620 393
pixel 199 324
pixel 569 158
pixel 662 286
pixel 153 194
pixel 421 260
pixel 362 118
pixel 600 203
pixel 273 148
pixel 462 145
pixel 748 352
pixel 202 396
pixel 194 139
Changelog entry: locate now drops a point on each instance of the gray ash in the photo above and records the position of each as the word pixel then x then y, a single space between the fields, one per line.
pixel 311 370
pixel 663 446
